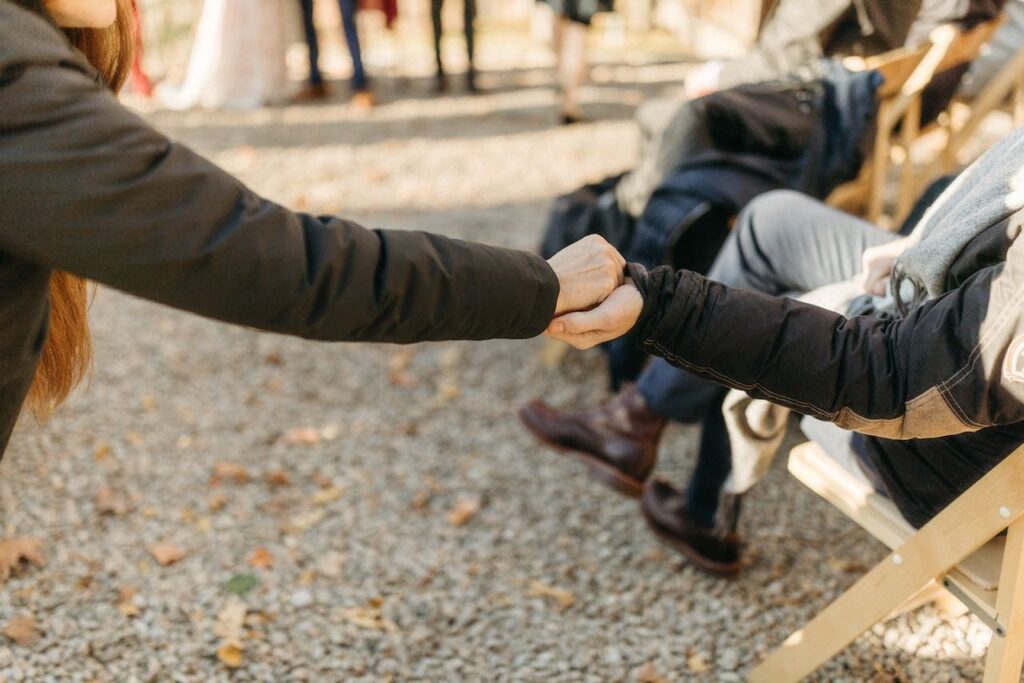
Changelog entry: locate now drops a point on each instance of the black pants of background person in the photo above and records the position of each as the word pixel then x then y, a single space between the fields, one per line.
pixel 468 17
pixel 785 244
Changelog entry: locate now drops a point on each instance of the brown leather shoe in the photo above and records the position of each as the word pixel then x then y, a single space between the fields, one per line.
pixel 618 439
pixel 715 550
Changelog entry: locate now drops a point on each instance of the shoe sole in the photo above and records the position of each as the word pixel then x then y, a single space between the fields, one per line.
pixel 598 469
pixel 726 570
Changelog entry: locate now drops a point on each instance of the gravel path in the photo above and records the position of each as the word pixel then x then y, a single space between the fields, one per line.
pixel 372 513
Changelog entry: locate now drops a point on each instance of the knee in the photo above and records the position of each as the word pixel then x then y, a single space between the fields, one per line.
pixel 770 215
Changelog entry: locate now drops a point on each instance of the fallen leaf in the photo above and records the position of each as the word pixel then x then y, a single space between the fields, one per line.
pixel 231 621
pixel 112 502
pixel 101 452
pixel 134 438
pixel 216 503
pixel 22 630
pixel 15 550
pixel 126 601
pixel 563 599
pixel 278 478
pixel 368 618
pixel 648 674
pixel 846 566
pixel 308 520
pixel 447 389
pixel 464 511
pixel 230 655
pixel 696 664
pixel 261 558
pixel 302 436
pixel 148 403
pixel 166 552
pixel 240 584
pixel 330 564
pixel 274 358
pixel 322 480
pixel 228 471
pixel 307 577
pixel 420 500
pixel 325 496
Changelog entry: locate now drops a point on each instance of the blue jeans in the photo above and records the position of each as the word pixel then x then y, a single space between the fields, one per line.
pixel 784 243
pixel 348 24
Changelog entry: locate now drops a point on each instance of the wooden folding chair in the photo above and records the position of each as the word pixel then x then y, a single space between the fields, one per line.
pixel 899 116
pixel 960 548
pixel 964 117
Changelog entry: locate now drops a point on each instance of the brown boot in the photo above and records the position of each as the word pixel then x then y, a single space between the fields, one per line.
pixel 618 439
pixel 715 550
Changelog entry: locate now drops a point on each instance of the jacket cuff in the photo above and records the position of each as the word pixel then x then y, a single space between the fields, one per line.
pixel 545 297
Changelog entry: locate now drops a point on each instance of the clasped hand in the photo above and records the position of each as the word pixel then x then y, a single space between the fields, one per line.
pixel 596 302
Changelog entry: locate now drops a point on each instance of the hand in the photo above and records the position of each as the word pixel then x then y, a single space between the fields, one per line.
pixel 588 272
pixel 877 263
pixel 612 319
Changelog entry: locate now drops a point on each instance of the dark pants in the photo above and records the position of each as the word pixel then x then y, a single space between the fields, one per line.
pixel 785 243
pixel 468 17
pixel 348 24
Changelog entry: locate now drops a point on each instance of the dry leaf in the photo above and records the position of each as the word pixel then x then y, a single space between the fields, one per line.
pixel 330 564
pixel 308 520
pixel 134 438
pixel 14 550
pixel 230 624
pixel 230 655
pixel 464 511
pixel 277 478
pixel 307 577
pixel 167 552
pixel 22 630
pixel 322 480
pixel 696 664
pixel 398 369
pixel 302 436
pixel 447 389
pixel 274 358
pixel 228 472
pixel 101 452
pixel 216 503
pixel 420 500
pixel 648 674
pixel 261 558
pixel 112 502
pixel 329 495
pixel 564 599
pixel 148 403
pixel 846 566
pixel 126 601
pixel 368 618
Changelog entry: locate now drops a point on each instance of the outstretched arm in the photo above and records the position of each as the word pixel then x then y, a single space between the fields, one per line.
pixel 88 187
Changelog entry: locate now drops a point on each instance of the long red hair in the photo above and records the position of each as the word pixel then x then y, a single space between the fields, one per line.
pixel 67 355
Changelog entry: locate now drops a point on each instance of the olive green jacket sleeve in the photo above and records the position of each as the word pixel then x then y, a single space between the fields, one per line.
pixel 88 187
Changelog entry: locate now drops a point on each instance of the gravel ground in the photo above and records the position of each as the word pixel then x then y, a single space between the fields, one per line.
pixel 373 513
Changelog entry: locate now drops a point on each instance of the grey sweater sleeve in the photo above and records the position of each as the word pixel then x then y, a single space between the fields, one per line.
pixel 88 187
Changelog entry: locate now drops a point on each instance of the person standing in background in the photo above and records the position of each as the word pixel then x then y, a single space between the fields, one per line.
pixel 571 19
pixel 362 94
pixel 468 16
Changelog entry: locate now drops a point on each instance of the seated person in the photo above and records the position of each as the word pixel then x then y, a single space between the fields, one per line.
pixel 940 407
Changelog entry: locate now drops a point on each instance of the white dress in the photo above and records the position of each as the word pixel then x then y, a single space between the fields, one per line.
pixel 238 57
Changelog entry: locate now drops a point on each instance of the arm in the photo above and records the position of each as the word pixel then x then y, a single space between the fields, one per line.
pixel 953 365
pixel 948 367
pixel 88 187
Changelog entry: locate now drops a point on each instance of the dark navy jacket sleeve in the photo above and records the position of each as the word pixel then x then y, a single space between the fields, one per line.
pixel 953 365
pixel 88 187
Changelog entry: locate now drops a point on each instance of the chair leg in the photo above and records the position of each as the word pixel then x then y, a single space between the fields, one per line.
pixel 985 509
pixel 1006 652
